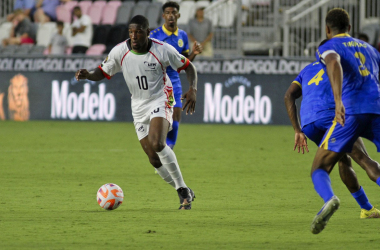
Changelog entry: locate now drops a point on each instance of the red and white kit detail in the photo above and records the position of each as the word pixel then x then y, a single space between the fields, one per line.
pixel 145 75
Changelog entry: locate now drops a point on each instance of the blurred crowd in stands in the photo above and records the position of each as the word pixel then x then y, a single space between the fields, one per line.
pixel 60 27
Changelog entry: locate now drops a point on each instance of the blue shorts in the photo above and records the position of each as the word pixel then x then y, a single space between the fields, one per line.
pixel 316 130
pixel 177 89
pixel 341 139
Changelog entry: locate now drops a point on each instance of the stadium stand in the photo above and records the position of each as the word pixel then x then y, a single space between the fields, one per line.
pixel 140 8
pixel 70 5
pixel 100 34
pixel 84 6
pixel 96 49
pixel 5 30
pixel 187 10
pixel 117 34
pixel 37 50
pixel 45 32
pixel 124 13
pixel 110 12
pixel 63 14
pixel 95 12
pixel 153 13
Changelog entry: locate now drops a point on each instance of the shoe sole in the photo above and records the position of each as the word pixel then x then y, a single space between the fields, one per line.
pixel 320 220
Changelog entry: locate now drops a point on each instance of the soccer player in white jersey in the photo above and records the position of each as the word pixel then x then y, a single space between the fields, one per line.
pixel 143 62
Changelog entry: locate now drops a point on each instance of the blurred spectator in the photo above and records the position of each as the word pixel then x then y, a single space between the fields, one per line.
pixel 24 5
pixel 82 32
pixel 363 37
pixel 201 30
pixel 45 11
pixel 23 30
pixel 58 42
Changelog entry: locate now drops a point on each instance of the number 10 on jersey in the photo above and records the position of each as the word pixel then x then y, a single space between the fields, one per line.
pixel 143 82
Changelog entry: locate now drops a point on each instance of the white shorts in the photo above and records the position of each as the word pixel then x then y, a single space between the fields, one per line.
pixel 142 128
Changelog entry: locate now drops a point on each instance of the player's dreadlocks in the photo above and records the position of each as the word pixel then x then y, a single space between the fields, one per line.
pixel 338 19
pixel 141 20
pixel 170 4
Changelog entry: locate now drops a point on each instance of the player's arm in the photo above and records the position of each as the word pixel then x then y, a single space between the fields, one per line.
pixel 197 49
pixel 94 75
pixel 109 67
pixel 191 94
pixel 292 94
pixel 335 74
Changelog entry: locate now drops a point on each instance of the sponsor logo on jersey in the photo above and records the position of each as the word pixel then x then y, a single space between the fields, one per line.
pixel 180 43
pixel 150 65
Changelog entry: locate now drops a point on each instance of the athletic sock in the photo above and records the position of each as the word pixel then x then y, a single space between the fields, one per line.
pixel 169 161
pixel 322 184
pixel 378 181
pixel 361 199
pixel 163 172
pixel 171 139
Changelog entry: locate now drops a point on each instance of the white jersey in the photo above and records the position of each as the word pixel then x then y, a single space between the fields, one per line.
pixel 145 74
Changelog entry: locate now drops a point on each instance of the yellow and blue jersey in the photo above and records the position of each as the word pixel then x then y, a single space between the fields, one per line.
pixel 317 96
pixel 360 63
pixel 178 40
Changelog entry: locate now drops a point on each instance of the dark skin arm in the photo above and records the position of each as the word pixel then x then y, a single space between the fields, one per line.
pixel 197 49
pixel 191 94
pixel 78 30
pixel 335 73
pixel 94 75
pixel 292 94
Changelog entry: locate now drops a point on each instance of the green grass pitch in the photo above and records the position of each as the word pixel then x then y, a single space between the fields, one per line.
pixel 253 191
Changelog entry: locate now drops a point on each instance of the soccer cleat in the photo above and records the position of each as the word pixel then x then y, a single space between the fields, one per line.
pixel 367 214
pixel 321 219
pixel 185 193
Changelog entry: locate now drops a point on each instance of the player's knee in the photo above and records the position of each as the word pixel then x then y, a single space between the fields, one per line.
pixel 158 146
pixel 345 161
pixel 155 161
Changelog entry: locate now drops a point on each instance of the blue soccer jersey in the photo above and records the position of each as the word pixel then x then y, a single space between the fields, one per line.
pixel 360 63
pixel 178 40
pixel 317 95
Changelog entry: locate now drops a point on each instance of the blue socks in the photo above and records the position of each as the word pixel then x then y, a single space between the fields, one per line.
pixel 322 184
pixel 172 135
pixel 378 181
pixel 362 199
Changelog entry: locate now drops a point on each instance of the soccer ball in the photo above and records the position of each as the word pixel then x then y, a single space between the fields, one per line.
pixel 110 196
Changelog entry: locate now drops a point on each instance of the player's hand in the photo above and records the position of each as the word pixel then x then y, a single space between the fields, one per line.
pixel 340 112
pixel 191 98
pixel 81 74
pixel 300 142
pixel 197 48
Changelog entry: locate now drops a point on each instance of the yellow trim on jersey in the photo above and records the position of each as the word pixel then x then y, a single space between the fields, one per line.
pixel 342 35
pixel 186 51
pixel 169 33
pixel 299 84
pixel 325 143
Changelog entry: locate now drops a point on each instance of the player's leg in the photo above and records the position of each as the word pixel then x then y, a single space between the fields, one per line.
pixel 159 127
pixel 360 156
pixel 142 131
pixel 323 163
pixel 315 131
pixel 348 176
pixel 171 139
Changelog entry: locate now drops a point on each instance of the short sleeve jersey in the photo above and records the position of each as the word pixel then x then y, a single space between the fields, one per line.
pixel 360 63
pixel 145 74
pixel 317 95
pixel 178 40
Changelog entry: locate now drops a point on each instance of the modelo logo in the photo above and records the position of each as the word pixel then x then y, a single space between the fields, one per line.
pixel 86 105
pixel 241 108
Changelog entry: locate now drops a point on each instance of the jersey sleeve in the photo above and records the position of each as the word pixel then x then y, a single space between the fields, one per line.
pixel 298 80
pixel 325 50
pixel 111 65
pixel 175 59
pixel 152 34
pixel 186 48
